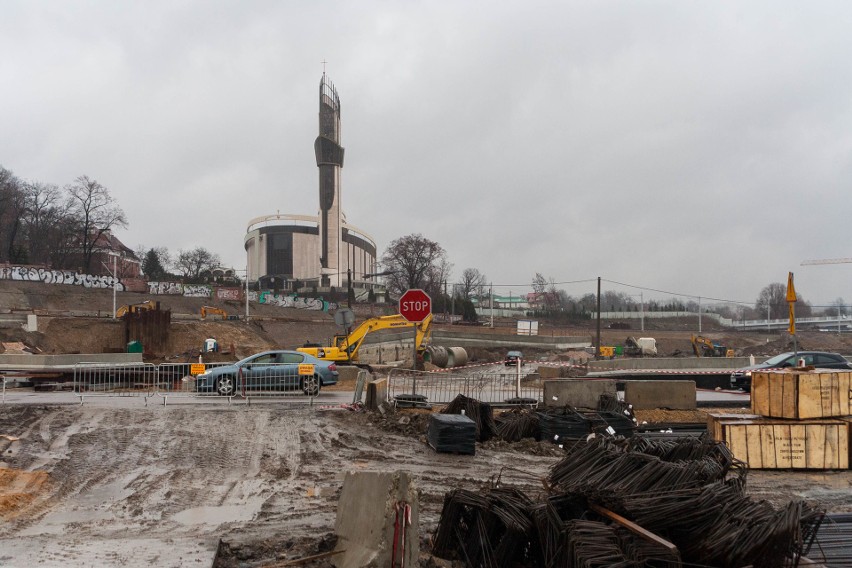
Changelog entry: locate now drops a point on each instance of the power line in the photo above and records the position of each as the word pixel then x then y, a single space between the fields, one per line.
pixel 678 293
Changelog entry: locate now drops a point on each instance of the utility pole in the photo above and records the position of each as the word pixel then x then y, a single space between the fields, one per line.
pixel 114 282
pixel 247 298
pixel 492 305
pixel 642 312
pixel 699 315
pixel 598 346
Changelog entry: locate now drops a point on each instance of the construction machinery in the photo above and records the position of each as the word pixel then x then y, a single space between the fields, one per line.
pixel 704 347
pixel 642 347
pixel 212 310
pixel 140 307
pixel 344 348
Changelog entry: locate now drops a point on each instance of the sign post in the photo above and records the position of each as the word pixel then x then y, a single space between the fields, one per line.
pixel 791 300
pixel 415 305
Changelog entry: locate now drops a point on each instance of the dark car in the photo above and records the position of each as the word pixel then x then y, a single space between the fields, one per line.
pixel 269 371
pixel 741 378
pixel 512 358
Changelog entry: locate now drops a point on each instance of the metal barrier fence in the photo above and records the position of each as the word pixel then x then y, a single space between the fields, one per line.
pixel 176 380
pixel 100 379
pixel 441 388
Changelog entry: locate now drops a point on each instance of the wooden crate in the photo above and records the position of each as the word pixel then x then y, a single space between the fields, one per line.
pixel 771 443
pixel 801 395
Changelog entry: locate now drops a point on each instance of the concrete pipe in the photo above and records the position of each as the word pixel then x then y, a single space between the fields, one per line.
pixel 456 357
pixel 436 355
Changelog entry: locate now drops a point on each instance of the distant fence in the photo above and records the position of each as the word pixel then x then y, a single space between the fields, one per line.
pixel 498 389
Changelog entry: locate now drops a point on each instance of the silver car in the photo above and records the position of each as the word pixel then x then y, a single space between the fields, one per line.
pixel 281 371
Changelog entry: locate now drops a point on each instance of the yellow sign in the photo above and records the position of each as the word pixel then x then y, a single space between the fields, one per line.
pixel 607 351
pixel 791 290
pixel 792 328
pixel 196 368
pixel 306 369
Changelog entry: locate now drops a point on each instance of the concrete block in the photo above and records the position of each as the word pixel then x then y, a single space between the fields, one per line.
pixel 347 373
pixel 32 323
pixel 377 393
pixel 582 393
pixel 368 514
pixel 674 395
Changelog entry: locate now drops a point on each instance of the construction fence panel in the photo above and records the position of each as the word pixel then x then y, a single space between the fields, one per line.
pixel 179 379
pixel 107 379
pixel 499 389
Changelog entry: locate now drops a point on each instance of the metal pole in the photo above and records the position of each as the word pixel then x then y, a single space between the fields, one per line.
pixel 114 282
pixel 838 319
pixel 247 278
pixel 642 313
pixel 598 346
pixel 767 318
pixel 699 314
pixel 492 304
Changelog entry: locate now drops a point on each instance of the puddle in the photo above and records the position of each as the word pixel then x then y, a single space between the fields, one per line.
pixel 213 515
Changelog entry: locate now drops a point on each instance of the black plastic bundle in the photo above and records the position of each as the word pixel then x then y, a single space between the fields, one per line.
pixel 517 424
pixel 490 529
pixel 451 433
pixel 479 412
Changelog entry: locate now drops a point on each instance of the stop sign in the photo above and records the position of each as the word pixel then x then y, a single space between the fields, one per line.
pixel 415 305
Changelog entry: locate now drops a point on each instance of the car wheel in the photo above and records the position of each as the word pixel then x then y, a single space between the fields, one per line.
pixel 225 385
pixel 311 385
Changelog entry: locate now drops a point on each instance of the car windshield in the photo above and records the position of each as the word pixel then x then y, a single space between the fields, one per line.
pixel 778 359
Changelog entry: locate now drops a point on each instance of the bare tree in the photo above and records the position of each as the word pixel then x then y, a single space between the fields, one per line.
pixel 41 220
pixel 196 263
pixel 774 297
pixel 11 210
pixel 94 209
pixel 472 283
pixel 414 261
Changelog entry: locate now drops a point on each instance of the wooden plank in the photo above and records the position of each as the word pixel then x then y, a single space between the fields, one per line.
pixel 760 394
pixel 634 528
pixel 802 395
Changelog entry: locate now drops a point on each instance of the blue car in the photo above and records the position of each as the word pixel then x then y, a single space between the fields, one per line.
pixel 269 371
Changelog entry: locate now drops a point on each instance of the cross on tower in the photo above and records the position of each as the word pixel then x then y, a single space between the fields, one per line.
pixel 323 65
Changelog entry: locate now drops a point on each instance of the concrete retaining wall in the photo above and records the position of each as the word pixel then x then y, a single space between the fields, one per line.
pixel 673 363
pixel 17 361
pixel 647 395
pixel 582 393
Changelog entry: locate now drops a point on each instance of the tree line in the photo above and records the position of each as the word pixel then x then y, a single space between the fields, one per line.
pixel 64 228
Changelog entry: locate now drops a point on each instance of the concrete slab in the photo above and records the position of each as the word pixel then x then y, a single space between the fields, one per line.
pixel 581 393
pixel 370 512
pixel 377 393
pixel 674 395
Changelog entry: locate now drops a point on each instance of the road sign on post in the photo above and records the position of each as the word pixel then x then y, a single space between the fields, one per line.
pixel 415 305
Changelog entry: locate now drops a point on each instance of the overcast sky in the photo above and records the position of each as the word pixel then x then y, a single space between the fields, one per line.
pixel 701 148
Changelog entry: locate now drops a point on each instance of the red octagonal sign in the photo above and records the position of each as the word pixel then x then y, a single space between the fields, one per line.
pixel 415 305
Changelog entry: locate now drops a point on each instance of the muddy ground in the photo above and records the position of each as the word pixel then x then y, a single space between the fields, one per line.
pixel 142 486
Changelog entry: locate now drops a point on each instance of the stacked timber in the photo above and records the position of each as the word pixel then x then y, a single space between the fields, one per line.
pixel 800 420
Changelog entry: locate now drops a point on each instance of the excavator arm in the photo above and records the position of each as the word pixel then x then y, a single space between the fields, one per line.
pixel 345 347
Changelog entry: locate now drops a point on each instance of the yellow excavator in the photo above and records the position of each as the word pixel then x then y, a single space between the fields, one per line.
pixel 212 310
pixel 703 347
pixel 344 348
pixel 133 308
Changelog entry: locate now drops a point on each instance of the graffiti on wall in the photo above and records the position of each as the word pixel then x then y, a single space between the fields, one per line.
pixel 49 276
pixel 163 288
pixel 228 293
pixel 197 291
pixel 317 304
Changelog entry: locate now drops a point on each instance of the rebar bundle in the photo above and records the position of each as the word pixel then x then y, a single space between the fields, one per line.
pixel 717 525
pixel 489 530
pixel 517 424
pixel 479 412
